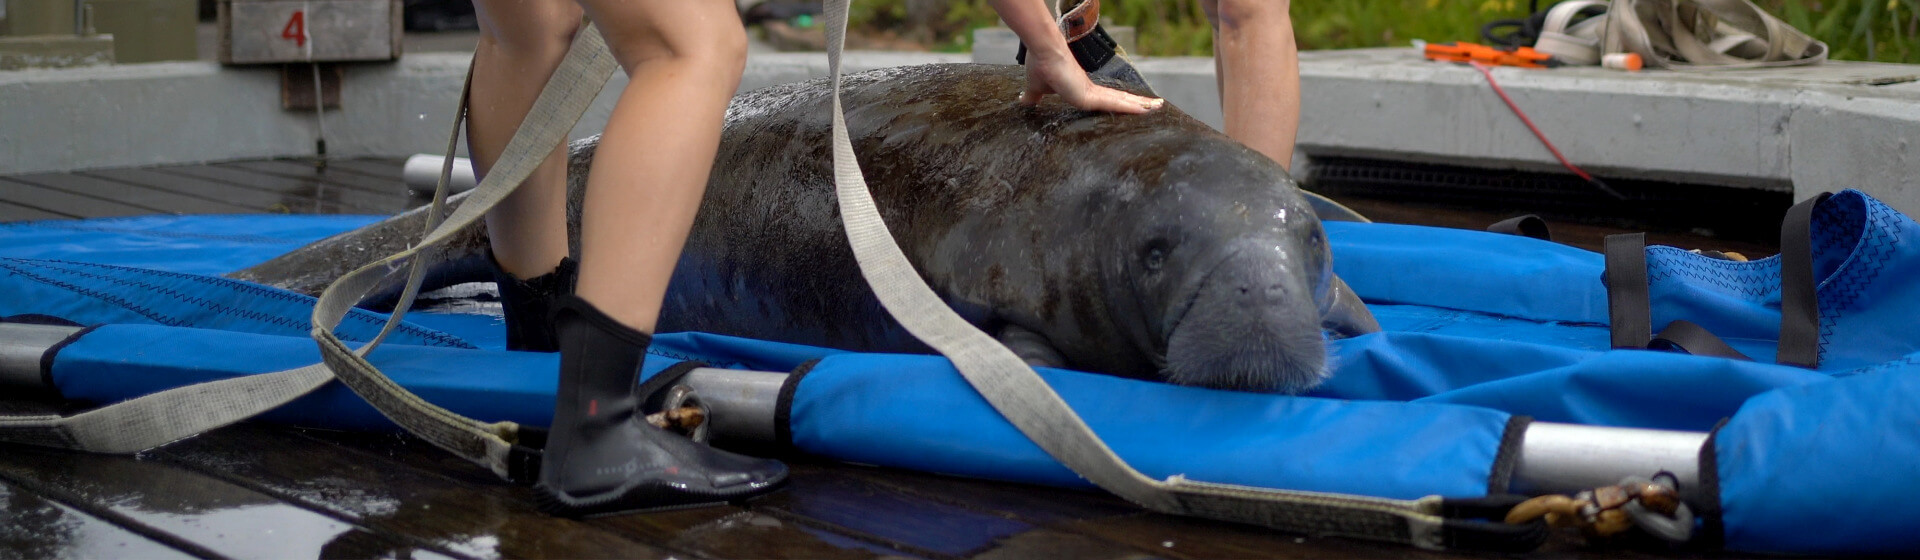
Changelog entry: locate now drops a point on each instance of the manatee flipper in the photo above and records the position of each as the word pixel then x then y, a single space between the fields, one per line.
pixel 1031 347
pixel 1330 211
pixel 1346 315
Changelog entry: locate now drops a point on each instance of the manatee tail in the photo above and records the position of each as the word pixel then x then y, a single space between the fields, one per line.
pixel 310 269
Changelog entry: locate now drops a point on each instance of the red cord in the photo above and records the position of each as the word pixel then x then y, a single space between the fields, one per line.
pixel 1484 71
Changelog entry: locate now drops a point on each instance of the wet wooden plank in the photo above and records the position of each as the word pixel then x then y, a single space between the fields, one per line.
pixel 1039 505
pixel 34 527
pixel 744 533
pixel 1104 518
pixel 719 532
pixel 255 199
pixel 363 202
pixel 10 212
pixel 128 193
pixel 198 514
pixel 912 523
pixel 492 520
pixel 66 203
pixel 379 168
pixel 331 175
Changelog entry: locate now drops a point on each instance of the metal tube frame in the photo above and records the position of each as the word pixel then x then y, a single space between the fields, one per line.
pixel 1553 458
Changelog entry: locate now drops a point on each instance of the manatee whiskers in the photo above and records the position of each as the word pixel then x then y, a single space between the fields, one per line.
pixel 1283 360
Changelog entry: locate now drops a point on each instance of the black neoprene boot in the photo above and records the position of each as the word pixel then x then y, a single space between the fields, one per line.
pixel 602 455
pixel 528 304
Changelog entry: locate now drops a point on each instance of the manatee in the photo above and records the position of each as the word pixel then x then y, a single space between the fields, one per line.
pixel 1146 246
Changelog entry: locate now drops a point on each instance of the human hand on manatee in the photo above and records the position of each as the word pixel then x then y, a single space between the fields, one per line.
pixel 1060 74
pixel 1051 68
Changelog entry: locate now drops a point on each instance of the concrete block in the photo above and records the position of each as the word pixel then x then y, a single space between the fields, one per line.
pixel 1805 130
pixel 1859 143
pixel 139 114
pixel 1393 104
pixel 55 51
pixel 148 30
pixel 274 31
pixel 995 45
pixel 1185 82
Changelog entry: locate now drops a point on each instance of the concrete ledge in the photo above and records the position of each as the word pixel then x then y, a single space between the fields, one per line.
pixel 1835 126
pixel 1808 129
pixel 182 112
pixel 55 51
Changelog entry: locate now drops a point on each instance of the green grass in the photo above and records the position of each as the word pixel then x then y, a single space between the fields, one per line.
pixel 1880 30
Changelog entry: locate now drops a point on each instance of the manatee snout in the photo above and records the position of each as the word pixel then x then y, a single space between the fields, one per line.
pixel 1253 325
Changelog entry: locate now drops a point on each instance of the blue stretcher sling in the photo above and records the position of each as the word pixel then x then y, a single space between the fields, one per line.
pixel 1484 330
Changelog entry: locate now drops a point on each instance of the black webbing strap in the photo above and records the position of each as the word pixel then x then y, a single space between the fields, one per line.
pixel 1799 309
pixel 1629 304
pixel 1479 524
pixel 1091 51
pixel 1527 225
pixel 1689 337
pixel 1629 308
pixel 523 459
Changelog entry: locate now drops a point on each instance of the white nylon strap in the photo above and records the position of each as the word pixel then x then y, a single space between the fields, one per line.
pixel 1029 404
pixel 1700 34
pixel 167 416
pixel 1576 45
pixel 568 94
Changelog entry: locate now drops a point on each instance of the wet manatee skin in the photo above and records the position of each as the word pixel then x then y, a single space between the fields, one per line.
pixel 1146 246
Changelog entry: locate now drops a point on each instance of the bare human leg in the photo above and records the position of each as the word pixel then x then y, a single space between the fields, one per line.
pixel 521 42
pixel 683 59
pixel 1258 68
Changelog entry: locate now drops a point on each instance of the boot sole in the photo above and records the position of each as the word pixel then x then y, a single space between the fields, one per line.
pixel 641 497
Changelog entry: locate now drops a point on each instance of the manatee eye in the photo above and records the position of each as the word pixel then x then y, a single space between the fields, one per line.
pixel 1155 255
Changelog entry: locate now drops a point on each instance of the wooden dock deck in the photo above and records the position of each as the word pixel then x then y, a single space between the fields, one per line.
pixel 265 491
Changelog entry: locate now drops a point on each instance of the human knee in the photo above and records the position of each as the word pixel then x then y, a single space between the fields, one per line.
pixel 716 50
pixel 528 26
pixel 1234 14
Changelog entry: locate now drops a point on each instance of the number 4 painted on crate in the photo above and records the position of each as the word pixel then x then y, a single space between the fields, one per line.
pixel 296 29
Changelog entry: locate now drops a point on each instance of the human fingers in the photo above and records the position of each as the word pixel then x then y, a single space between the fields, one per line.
pixel 1104 98
pixel 1067 79
pixel 1032 95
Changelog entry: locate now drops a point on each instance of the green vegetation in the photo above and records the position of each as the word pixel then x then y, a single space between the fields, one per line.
pixel 1881 30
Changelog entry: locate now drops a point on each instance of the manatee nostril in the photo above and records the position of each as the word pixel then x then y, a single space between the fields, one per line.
pixel 1271 290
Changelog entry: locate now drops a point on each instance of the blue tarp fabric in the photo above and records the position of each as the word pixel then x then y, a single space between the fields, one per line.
pixel 119 361
pixel 191 244
pixel 856 407
pixel 1481 327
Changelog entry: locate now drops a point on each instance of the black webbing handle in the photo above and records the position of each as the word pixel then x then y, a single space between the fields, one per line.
pixel 1799 308
pixel 1479 524
pixel 1629 311
pixel 1527 225
pixel 1690 337
pixel 1629 303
